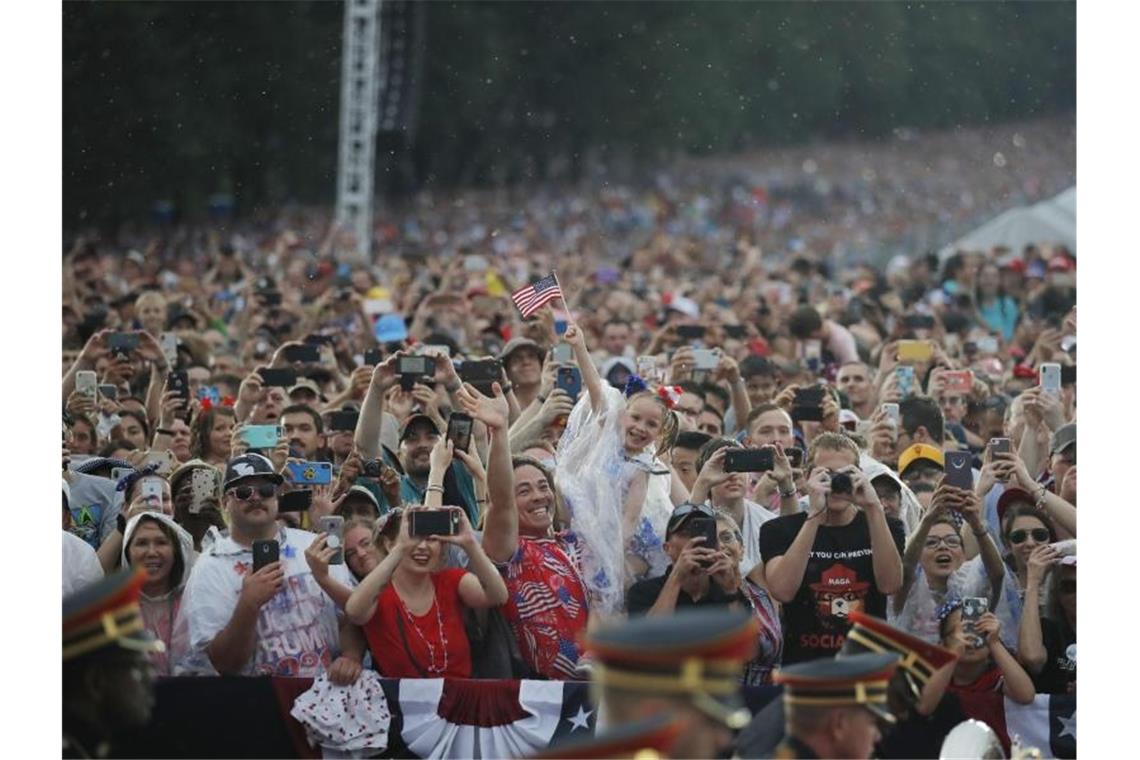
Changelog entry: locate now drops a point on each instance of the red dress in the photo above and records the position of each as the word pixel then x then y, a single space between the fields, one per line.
pixel 433 645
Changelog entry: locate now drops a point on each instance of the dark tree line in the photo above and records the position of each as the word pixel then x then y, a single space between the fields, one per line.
pixel 180 101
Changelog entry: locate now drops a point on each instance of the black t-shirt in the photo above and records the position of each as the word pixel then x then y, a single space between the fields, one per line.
pixel 643 595
pixel 1060 669
pixel 839 578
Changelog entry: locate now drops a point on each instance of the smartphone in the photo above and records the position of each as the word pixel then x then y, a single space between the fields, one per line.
pixel 749 460
pixel 918 322
pixel 373 357
pixel 987 345
pixel 1051 377
pixel 178 382
pixel 973 607
pixel 285 377
pixel 169 343
pixel 261 436
pixel 892 411
pixel 298 500
pixel 1068 374
pixel 562 353
pixel 704 359
pixel 808 404
pixel 305 354
pixel 343 421
pixel 647 368
pixel 434 522
pixel 813 349
pixel 459 430
pixel 795 456
pixel 959 381
pixel 123 342
pixel 435 349
pixel 917 351
pixel 151 490
pixel 569 379
pixel 87 383
pixel 265 553
pixel 704 526
pixel 691 332
pixel 415 366
pixel 1000 446
pixel 318 339
pixel 735 331
pixel 270 298
pixel 904 378
pixel 310 473
pixel 481 373
pixel 163 461
pixel 203 489
pixel 958 472
pixel 333 525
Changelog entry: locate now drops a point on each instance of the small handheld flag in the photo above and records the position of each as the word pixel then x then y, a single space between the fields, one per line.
pixel 536 295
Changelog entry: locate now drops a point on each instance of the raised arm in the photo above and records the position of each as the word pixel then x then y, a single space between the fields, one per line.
pixel 1031 650
pixel 501 520
pixel 590 377
pixel 884 553
pixel 366 439
pixel 362 603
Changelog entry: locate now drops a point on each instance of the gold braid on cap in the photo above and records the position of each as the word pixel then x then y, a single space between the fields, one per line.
pixel 859 693
pixel 724 678
pixel 111 627
pixel 910 659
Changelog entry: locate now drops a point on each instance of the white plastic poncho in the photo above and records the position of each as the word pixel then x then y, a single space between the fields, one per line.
pixel 593 476
pixel 910 510
pixel 919 613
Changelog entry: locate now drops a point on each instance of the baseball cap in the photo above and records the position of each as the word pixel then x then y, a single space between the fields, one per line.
pixel 250 466
pixel 514 344
pixel 412 419
pixel 683 513
pixel 364 492
pixel 920 451
pixel 686 306
pixel 1011 496
pixel 305 384
pixel 1065 437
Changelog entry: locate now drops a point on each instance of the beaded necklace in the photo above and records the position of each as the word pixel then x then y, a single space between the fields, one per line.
pixel 431 668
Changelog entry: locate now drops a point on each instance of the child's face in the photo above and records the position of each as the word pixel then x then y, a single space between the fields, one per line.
pixel 970 655
pixel 641 424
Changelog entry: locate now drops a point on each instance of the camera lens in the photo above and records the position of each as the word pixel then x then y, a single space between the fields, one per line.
pixel 841 483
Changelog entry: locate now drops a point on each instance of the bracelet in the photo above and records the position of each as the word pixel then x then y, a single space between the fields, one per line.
pixel 786 494
pixel 1040 500
pixel 429 489
pixel 507 388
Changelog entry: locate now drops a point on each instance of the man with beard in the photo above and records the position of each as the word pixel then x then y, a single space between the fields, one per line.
pixel 107 675
pixel 417 435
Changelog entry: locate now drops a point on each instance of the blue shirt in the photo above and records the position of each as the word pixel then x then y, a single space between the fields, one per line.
pixel 1001 315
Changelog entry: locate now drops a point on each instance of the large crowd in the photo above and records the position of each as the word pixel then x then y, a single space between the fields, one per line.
pixel 324 466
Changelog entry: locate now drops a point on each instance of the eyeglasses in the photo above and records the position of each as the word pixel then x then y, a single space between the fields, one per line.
pixel 1040 535
pixel 1069 586
pixel 728 537
pixel 244 493
pixel 951 541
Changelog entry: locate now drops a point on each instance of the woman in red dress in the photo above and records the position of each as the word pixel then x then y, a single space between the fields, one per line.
pixel 411 610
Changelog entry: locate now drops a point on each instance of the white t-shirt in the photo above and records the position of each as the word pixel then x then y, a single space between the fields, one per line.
pixel 81 565
pixel 298 633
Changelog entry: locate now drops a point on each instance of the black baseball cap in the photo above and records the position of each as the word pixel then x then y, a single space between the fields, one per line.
pixel 250 466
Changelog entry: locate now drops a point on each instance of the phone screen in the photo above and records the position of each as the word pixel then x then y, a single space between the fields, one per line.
pixel 433 522
pixel 459 431
pixel 265 553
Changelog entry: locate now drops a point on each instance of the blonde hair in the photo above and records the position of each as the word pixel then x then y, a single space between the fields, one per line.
pixel 832 442
pixel 670 427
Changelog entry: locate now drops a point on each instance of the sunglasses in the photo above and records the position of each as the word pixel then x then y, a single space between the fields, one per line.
pixel 244 493
pixel 684 512
pixel 1040 535
pixel 952 542
pixel 1069 586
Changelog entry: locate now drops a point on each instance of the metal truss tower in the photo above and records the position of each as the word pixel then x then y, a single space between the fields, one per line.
pixel 359 98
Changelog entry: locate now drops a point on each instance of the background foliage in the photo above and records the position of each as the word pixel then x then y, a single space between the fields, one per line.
pixel 180 101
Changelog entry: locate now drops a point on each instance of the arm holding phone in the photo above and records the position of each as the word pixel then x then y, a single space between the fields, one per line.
pixel 1062 512
pixel 234 645
pixel 885 557
pixel 366 439
pixel 785 572
pixel 1030 642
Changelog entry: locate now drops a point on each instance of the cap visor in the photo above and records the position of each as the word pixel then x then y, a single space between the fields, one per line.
pixel 728 710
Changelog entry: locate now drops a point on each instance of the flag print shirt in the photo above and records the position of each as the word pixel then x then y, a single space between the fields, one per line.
pixel 547 605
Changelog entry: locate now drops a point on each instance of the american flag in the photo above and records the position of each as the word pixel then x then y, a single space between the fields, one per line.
pixel 536 295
